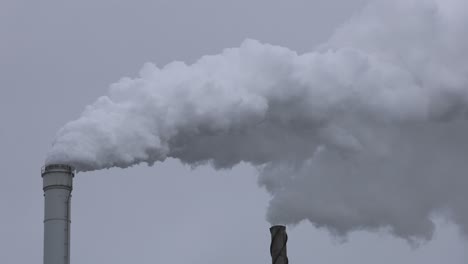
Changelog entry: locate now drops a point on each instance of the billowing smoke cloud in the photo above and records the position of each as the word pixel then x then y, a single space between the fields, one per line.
pixel 369 131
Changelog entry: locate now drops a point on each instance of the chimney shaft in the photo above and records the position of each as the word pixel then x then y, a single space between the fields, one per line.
pixel 279 238
pixel 57 185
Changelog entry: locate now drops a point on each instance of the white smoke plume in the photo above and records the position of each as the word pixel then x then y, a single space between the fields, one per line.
pixel 369 131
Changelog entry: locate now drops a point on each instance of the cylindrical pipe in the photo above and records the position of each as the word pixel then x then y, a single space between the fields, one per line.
pixel 279 238
pixel 57 185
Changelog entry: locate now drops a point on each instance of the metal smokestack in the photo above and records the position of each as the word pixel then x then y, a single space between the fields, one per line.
pixel 57 185
pixel 279 238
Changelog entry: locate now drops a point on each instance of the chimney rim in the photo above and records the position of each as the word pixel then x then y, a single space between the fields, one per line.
pixel 50 168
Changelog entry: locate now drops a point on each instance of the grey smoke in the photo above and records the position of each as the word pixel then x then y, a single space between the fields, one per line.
pixel 368 131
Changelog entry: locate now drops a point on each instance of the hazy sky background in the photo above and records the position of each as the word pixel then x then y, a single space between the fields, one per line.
pixel 58 56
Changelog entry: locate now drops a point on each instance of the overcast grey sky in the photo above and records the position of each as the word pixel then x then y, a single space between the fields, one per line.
pixel 58 56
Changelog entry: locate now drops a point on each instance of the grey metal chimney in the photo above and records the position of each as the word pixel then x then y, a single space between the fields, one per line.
pixel 57 185
pixel 279 238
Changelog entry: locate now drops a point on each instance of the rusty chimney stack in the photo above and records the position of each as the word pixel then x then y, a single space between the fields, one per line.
pixel 279 238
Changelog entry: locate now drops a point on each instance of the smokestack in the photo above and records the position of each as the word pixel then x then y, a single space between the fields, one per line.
pixel 57 186
pixel 279 238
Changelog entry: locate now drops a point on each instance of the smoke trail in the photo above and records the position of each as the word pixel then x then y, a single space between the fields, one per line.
pixel 367 132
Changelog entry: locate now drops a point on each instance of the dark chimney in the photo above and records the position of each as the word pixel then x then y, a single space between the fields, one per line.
pixel 278 245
